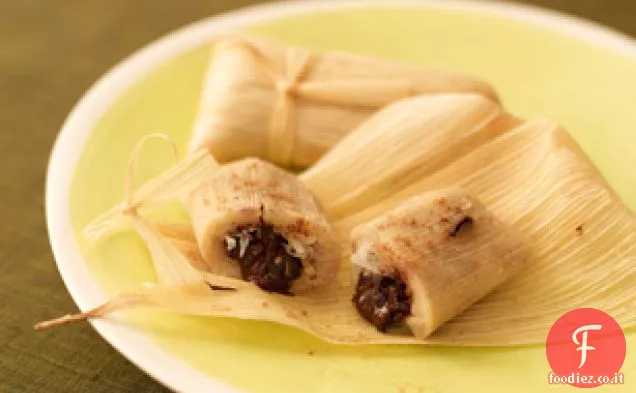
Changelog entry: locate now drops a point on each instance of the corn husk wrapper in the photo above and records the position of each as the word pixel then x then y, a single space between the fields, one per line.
pixel 289 104
pixel 447 247
pixel 538 180
pixel 533 178
pixel 404 142
pixel 173 184
pixel 248 191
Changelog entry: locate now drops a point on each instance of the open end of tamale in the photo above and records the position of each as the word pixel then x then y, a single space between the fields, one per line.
pixel 257 222
pixel 264 256
pixel 430 258
pixel 382 299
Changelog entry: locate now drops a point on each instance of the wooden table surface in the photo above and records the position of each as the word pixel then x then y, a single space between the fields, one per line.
pixel 51 51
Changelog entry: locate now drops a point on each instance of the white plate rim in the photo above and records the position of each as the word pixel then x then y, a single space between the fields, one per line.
pixel 69 145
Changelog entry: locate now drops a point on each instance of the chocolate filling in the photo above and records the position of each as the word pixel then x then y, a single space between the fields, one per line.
pixel 382 300
pixel 263 258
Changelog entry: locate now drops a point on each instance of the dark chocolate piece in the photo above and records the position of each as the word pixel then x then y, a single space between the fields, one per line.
pixel 382 300
pixel 263 258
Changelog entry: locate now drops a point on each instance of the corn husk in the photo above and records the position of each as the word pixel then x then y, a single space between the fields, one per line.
pixel 448 249
pixel 533 178
pixel 289 104
pixel 250 192
pixel 404 142
pixel 536 179
pixel 172 184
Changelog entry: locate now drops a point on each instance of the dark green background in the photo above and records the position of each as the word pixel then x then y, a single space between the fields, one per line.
pixel 51 51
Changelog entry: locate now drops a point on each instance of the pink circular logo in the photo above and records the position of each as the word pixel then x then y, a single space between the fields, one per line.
pixel 585 348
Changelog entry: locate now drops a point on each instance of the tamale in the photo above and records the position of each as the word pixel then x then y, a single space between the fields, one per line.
pixel 430 258
pixel 290 104
pixel 255 221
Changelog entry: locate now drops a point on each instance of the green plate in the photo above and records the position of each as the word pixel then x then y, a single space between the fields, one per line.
pixel 543 65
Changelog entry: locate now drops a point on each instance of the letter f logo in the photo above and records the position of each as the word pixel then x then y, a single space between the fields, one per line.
pixel 584 347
